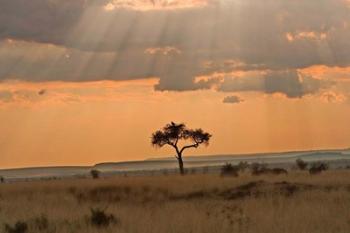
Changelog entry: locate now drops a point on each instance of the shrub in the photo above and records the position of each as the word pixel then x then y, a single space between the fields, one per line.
pixel 302 165
pixel 277 171
pixel 205 170
pixel 95 174
pixel 193 171
pixel 242 166
pixel 318 167
pixel 165 172
pixel 99 218
pixel 229 170
pixel 42 223
pixel 2 179
pixel 19 227
pixel 258 169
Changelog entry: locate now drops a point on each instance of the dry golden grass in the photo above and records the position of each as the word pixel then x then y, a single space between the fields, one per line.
pixel 297 203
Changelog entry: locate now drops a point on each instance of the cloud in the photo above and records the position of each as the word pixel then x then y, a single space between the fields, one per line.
pixel 41 21
pixel 163 51
pixel 306 35
pixel 289 83
pixel 146 5
pixel 232 99
pixel 333 97
pixel 29 94
pixel 324 72
pixel 42 92
pixel 177 41
pixel 18 96
pixel 6 96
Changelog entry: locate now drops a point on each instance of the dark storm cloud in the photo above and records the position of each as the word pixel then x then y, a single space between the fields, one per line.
pixel 94 43
pixel 39 20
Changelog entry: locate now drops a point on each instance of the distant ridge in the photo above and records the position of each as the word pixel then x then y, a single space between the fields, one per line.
pixel 336 157
pixel 46 167
pixel 255 154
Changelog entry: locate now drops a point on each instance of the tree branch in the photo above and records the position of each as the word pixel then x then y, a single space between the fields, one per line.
pixel 177 139
pixel 189 146
pixel 176 148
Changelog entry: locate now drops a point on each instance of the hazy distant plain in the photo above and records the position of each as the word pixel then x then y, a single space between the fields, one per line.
pixel 335 158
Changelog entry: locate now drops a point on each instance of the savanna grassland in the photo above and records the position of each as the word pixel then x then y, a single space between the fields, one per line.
pixel 297 202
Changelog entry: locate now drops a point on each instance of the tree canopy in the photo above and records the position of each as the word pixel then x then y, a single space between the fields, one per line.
pixel 172 133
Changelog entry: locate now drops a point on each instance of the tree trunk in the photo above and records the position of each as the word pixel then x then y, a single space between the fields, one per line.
pixel 181 164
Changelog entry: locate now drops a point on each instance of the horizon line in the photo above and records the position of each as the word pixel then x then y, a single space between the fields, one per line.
pixel 167 157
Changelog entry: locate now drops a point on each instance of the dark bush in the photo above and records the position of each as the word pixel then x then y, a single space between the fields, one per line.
pixel 317 168
pixel 302 165
pixel 19 227
pixel 2 179
pixel 277 171
pixel 258 169
pixel 99 218
pixel 229 170
pixel 165 172
pixel 205 170
pixel 95 174
pixel 242 166
pixel 42 223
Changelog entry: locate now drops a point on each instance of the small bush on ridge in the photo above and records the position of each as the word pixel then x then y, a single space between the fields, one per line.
pixel 229 170
pixel 302 165
pixel 317 168
pixel 95 174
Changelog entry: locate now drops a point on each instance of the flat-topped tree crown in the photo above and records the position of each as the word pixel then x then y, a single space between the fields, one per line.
pixel 173 133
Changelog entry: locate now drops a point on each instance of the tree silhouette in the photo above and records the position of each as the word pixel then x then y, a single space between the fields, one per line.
pixel 172 134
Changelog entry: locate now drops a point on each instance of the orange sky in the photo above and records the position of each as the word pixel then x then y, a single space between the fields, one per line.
pixel 113 121
pixel 93 82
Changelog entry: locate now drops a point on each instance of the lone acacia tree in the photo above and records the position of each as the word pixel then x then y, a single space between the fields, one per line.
pixel 172 134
